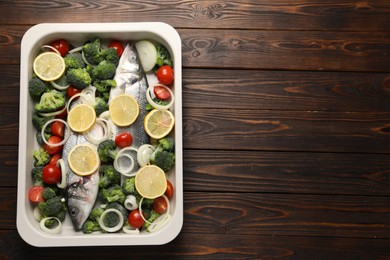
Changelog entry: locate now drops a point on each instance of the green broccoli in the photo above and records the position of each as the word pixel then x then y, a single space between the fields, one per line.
pixel 39 121
pixel 111 56
pixel 92 52
pixel 41 157
pixel 79 78
pixel 50 101
pixel 153 215
pixel 74 61
pixel 61 82
pixel 163 57
pixel 105 70
pixel 95 214
pixel 36 87
pixel 90 226
pixel 103 86
pixel 51 223
pixel 52 207
pixel 163 156
pixel 119 207
pixel 39 139
pixel 112 194
pixel 48 193
pixel 108 176
pixel 107 151
pixel 36 174
pixel 128 186
pixel 100 105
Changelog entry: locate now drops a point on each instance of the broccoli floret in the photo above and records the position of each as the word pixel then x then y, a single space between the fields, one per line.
pixel 163 156
pixel 163 56
pixel 103 86
pixel 50 101
pixel 100 105
pixel 41 157
pixel 112 194
pixel 48 193
pixel 107 151
pixel 36 174
pixel 38 136
pixel 90 226
pixel 39 121
pixel 95 214
pixel 52 207
pixel 111 56
pixel 153 215
pixel 108 176
pixel 105 70
pixel 117 206
pixel 128 186
pixel 79 78
pixel 51 223
pixel 36 87
pixel 74 61
pixel 92 52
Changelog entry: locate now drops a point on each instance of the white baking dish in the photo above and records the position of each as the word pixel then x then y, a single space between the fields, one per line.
pixel 33 39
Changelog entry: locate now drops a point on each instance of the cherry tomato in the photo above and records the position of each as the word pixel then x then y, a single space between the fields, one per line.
pixel 160 205
pixel 62 115
pixel 57 128
pixel 161 93
pixel 169 190
pixel 71 91
pixel 51 174
pixel 117 46
pixel 54 159
pixel 165 75
pixel 62 46
pixel 35 194
pixel 123 140
pixel 53 149
pixel 135 220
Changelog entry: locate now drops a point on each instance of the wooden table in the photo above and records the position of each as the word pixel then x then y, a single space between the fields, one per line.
pixel 286 114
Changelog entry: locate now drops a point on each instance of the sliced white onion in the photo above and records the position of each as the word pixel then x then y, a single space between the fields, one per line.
pixel 53 113
pixel 131 202
pixel 150 95
pixel 126 170
pixel 144 153
pixel 51 48
pixel 63 183
pixel 89 95
pixel 67 132
pixel 130 230
pixel 37 214
pixel 111 229
pixel 85 59
pixel 100 124
pixel 105 115
pixel 58 87
pixel 161 220
pixel 76 49
pixel 55 230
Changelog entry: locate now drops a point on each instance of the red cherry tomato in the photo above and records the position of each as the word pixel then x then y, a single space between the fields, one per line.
pixel 71 91
pixel 117 46
pixel 54 159
pixel 51 174
pixel 53 149
pixel 165 75
pixel 62 115
pixel 62 46
pixel 135 220
pixel 160 205
pixel 169 190
pixel 57 128
pixel 123 140
pixel 161 93
pixel 35 194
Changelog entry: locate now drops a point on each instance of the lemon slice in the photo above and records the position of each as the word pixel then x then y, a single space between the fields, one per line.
pixel 124 110
pixel 49 66
pixel 150 182
pixel 159 123
pixel 83 159
pixel 81 117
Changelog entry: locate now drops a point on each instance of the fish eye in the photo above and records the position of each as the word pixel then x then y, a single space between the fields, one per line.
pixel 73 212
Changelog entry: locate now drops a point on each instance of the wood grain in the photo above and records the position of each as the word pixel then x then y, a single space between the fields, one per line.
pixel 247 14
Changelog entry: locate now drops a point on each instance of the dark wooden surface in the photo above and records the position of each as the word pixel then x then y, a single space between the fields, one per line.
pixel 286 114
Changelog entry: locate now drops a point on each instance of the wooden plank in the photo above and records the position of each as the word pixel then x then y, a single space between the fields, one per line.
pixel 9 124
pixel 247 14
pixel 286 90
pixel 286 172
pixel 10 84
pixel 213 246
pixel 8 166
pixel 316 131
pixel 267 214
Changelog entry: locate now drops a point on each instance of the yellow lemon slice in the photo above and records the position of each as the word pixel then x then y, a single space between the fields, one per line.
pixel 124 110
pixel 81 117
pixel 83 159
pixel 159 123
pixel 150 182
pixel 49 66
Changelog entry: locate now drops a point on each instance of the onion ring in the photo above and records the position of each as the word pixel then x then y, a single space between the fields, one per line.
pixel 114 228
pixel 67 133
pixel 62 184
pixel 55 230
pixel 149 92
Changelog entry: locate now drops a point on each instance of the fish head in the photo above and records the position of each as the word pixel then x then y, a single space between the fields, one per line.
pixel 79 204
